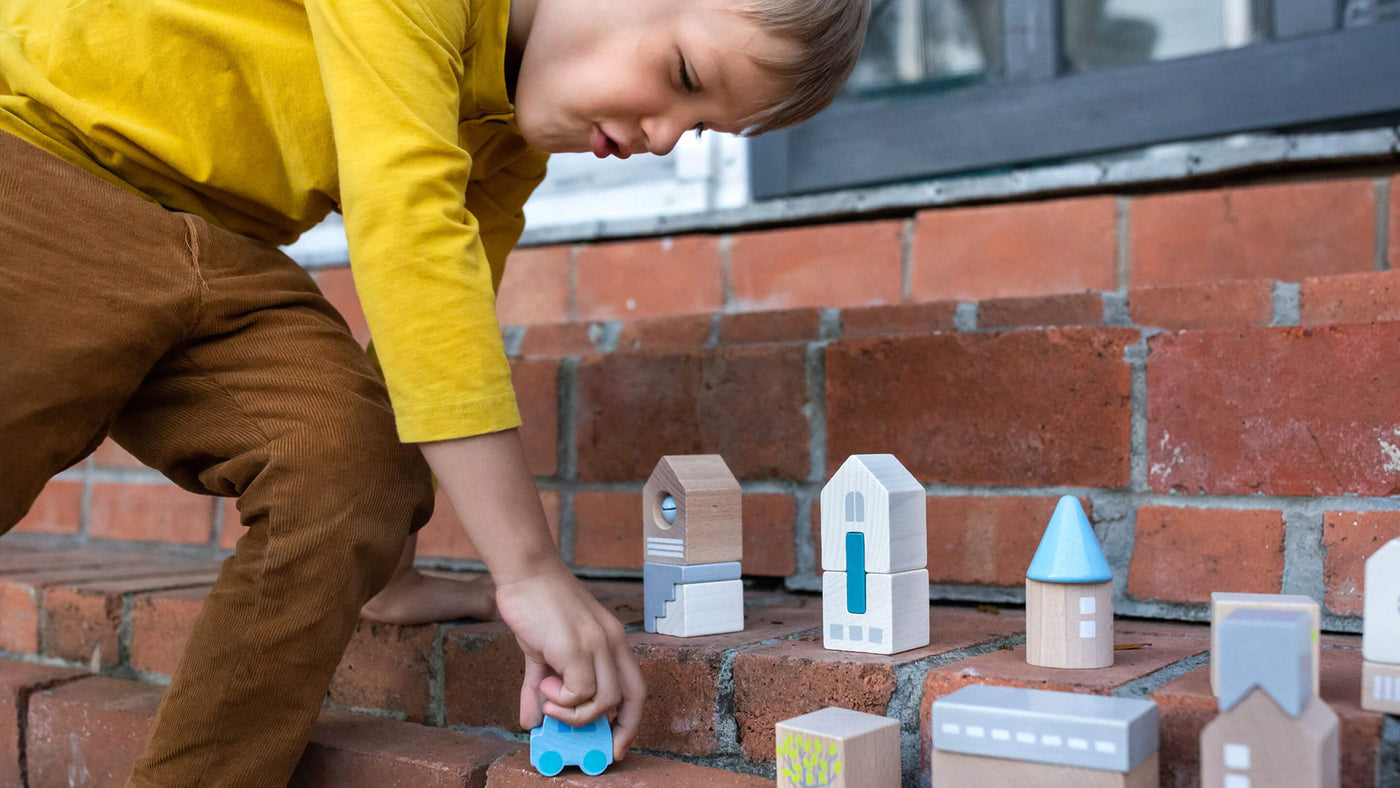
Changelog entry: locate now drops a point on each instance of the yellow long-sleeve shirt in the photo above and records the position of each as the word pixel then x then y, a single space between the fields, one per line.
pixel 265 115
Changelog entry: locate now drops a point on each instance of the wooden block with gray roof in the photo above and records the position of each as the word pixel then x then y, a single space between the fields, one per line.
pixel 1000 737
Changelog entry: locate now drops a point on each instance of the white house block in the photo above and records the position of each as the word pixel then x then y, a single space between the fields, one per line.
pixel 874 497
pixel 1381 639
pixel 704 609
pixel 896 617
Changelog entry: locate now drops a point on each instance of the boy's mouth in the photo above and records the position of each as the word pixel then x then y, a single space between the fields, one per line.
pixel 604 146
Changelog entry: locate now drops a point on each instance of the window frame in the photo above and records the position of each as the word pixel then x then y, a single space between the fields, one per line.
pixel 1334 67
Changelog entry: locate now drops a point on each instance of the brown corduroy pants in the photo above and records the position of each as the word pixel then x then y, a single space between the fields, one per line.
pixel 214 358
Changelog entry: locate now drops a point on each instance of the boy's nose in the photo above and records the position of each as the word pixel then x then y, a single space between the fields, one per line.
pixel 660 137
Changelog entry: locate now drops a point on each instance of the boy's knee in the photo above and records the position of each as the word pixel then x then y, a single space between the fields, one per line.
pixel 388 495
pixel 372 490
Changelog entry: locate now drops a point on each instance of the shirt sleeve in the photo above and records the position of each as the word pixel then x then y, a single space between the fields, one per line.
pixel 392 71
pixel 497 198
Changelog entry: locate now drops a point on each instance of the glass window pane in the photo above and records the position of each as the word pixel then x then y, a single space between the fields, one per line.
pixel 1109 33
pixel 912 42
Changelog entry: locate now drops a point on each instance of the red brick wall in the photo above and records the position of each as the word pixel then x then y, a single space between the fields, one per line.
pixel 1212 371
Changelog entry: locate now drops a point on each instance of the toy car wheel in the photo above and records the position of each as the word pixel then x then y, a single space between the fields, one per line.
pixel 551 763
pixel 594 762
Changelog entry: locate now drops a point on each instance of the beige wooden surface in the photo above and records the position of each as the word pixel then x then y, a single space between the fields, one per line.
pixel 866 744
pixel 960 770
pixel 1278 750
pixel 1063 630
pixel 709 523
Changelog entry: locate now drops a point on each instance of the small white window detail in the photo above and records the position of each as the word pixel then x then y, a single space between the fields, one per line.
pixel 1001 734
pixel 950 728
pixel 1086 606
pixel 1078 744
pixel 1105 747
pixel 1051 740
pixel 1236 756
pixel 976 731
pixel 1024 737
pixel 1087 629
pixel 855 507
pixel 1236 781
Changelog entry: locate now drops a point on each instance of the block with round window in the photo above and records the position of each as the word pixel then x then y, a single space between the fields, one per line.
pixel 692 511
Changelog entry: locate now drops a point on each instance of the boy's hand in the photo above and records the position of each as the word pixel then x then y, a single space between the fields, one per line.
pixel 578 666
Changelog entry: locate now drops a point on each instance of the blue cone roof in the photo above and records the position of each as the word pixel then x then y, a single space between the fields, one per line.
pixel 1069 552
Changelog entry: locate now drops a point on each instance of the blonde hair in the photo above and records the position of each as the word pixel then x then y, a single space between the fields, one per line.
pixel 828 34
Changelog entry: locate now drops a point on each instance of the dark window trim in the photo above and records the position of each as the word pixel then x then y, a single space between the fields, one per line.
pixel 1338 75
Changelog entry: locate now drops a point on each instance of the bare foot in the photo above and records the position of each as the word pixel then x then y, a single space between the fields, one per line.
pixel 412 597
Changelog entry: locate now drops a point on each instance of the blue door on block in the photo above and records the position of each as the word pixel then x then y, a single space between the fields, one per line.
pixel 855 572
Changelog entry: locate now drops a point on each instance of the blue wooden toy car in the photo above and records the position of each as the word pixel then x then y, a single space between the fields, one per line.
pixel 555 745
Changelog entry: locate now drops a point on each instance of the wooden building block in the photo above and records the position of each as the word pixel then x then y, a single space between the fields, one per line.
pixel 1069 594
pixel 1256 744
pixel 1380 640
pixel 959 770
pixel 659 583
pixel 838 748
pixel 1069 625
pixel 873 501
pixel 1267 649
pixel 1056 728
pixel 1223 604
pixel 895 616
pixel 1380 687
pixel 691 511
pixel 704 609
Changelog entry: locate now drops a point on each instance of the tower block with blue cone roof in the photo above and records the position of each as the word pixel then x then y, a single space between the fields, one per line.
pixel 1069 595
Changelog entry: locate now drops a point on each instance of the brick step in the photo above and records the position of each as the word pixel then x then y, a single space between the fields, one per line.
pixel 83 730
pixel 714 700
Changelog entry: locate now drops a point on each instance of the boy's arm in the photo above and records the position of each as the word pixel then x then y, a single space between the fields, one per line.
pixel 392 72
pixel 576 654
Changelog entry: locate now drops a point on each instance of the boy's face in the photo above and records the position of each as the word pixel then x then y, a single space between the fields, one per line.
pixel 618 77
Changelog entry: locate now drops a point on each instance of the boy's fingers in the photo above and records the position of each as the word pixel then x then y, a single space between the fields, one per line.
pixel 629 711
pixel 531 704
pixel 609 694
pixel 602 702
pixel 551 686
pixel 580 680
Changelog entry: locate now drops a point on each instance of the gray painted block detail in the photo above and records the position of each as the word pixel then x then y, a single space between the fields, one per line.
pixel 659 583
pixel 1061 728
pixel 1269 649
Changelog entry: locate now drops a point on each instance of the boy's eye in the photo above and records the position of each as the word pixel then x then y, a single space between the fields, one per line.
pixel 685 75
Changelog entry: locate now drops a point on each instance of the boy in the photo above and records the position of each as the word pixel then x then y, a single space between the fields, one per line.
pixel 153 153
